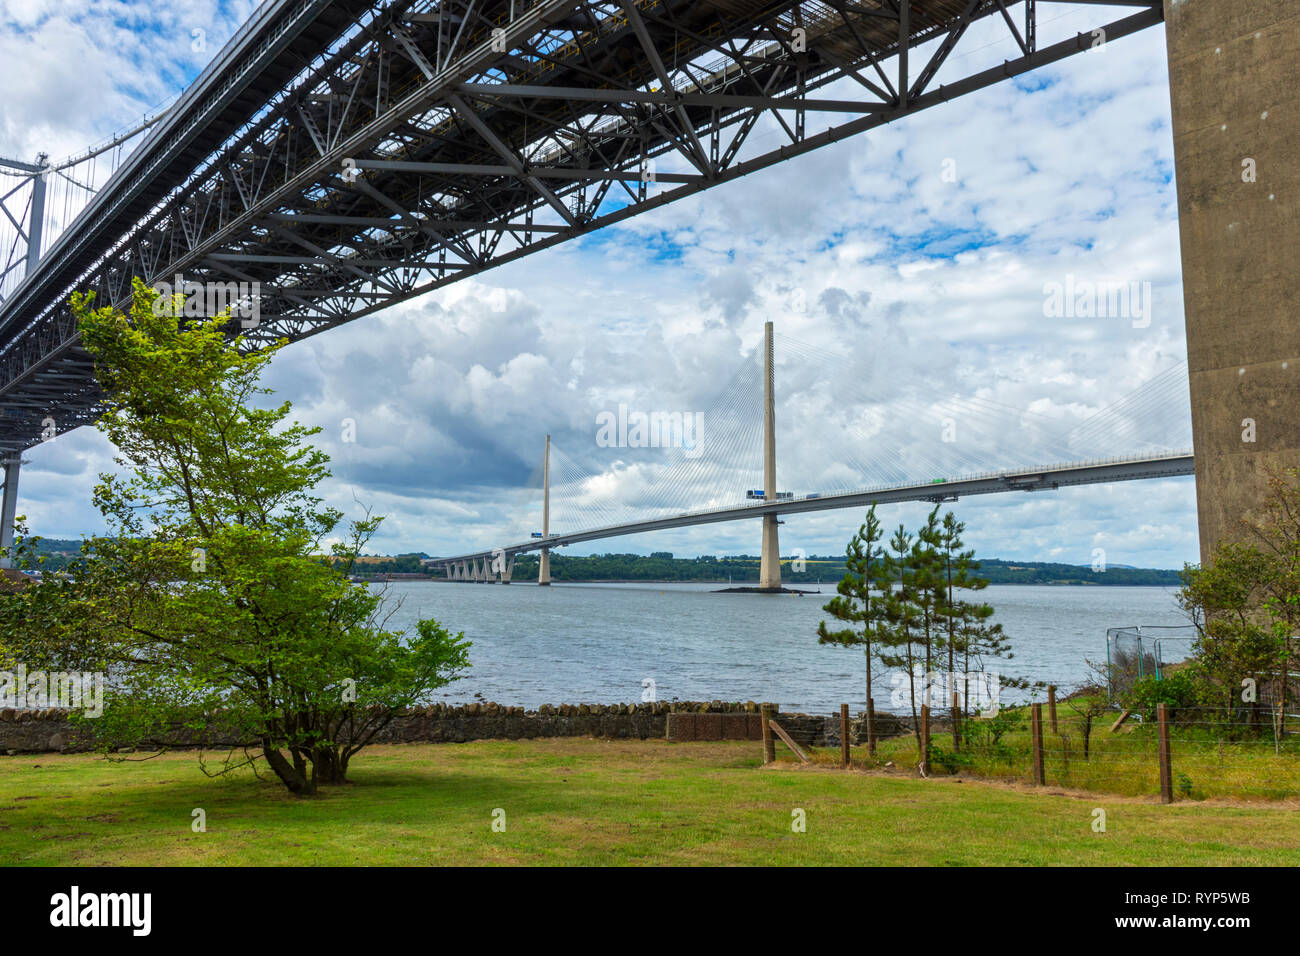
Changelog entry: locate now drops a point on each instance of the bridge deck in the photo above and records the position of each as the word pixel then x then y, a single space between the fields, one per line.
pixel 1083 473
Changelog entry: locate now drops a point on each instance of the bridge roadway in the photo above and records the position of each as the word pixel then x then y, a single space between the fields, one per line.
pixel 1037 479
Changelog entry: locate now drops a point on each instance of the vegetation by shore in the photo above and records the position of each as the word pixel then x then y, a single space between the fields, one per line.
pixel 581 801
pixel 662 567
pixel 743 569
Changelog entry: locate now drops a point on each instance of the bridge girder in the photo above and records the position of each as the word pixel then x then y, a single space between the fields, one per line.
pixel 345 156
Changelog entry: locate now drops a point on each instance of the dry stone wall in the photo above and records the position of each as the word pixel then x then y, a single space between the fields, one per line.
pixel 46 731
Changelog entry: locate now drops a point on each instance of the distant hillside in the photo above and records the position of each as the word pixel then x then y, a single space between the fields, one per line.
pixel 739 569
pixel 662 566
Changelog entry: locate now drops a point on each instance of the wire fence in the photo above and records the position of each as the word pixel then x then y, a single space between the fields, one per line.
pixel 1193 753
pixel 1133 653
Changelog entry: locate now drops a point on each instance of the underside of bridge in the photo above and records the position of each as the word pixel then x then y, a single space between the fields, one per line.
pixel 342 155
pixel 339 156
pixel 1235 91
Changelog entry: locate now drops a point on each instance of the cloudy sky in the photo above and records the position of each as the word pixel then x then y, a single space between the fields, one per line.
pixel 908 271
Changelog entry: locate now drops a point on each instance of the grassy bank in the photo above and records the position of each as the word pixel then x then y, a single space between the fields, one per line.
pixel 1209 759
pixel 573 801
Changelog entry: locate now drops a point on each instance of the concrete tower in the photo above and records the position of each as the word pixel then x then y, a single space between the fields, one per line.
pixel 769 573
pixel 1235 96
pixel 544 564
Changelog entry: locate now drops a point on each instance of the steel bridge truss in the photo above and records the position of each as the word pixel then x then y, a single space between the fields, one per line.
pixel 424 142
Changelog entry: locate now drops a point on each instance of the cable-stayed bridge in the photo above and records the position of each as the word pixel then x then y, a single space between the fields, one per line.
pixel 887 443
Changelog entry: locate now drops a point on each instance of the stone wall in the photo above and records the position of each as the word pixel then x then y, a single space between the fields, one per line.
pixel 49 731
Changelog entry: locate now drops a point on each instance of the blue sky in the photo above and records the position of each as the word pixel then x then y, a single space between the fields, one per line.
pixel 920 279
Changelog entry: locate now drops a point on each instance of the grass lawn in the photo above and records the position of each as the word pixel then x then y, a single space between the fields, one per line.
pixel 582 801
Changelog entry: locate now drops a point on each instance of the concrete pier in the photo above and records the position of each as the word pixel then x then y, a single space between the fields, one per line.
pixel 544 559
pixel 769 571
pixel 9 506
pixel 1234 88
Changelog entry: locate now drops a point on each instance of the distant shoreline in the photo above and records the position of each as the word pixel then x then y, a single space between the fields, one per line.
pixel 830 585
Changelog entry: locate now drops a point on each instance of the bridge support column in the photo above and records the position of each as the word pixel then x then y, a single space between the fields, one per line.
pixel 1235 96
pixel 509 570
pixel 544 561
pixel 9 506
pixel 769 571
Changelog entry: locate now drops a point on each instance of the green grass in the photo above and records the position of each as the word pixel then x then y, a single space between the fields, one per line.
pixel 581 801
pixel 1206 761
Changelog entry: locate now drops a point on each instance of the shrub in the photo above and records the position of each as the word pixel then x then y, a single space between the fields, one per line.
pixel 1178 690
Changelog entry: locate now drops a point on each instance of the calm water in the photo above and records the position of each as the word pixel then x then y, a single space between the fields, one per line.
pixel 595 643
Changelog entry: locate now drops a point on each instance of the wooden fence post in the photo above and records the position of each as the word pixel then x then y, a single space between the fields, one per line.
pixel 1036 730
pixel 1051 708
pixel 844 735
pixel 1166 767
pixel 871 727
pixel 925 740
pixel 956 721
pixel 769 743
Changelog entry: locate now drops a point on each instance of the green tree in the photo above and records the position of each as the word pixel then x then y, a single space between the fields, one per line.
pixel 957 568
pixel 898 631
pixel 1245 604
pixel 220 596
pixel 928 593
pixel 857 606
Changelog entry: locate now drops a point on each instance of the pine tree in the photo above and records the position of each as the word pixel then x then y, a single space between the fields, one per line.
pixel 958 567
pixel 928 593
pixel 898 630
pixel 855 604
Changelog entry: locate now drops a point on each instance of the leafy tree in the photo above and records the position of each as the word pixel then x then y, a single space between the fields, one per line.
pixel 857 606
pixel 1245 605
pixel 220 596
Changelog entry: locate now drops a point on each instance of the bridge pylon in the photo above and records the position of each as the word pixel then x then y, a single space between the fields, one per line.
pixel 9 506
pixel 544 562
pixel 769 571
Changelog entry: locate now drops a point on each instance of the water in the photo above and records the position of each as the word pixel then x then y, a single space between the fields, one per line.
pixel 596 643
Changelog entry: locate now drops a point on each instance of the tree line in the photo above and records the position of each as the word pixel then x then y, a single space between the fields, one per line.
pixel 741 569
